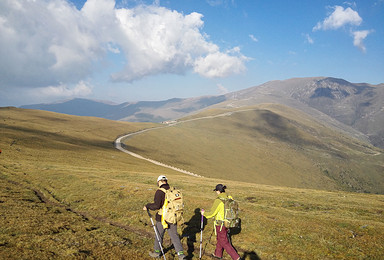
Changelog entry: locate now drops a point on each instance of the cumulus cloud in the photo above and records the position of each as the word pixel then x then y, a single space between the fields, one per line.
pixel 339 18
pixel 218 64
pixel 358 37
pixel 44 43
pixel 48 43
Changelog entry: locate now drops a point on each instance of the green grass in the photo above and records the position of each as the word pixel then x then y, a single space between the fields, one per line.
pixel 267 144
pixel 66 193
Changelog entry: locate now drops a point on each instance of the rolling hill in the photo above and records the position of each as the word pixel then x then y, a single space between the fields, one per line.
pixel 67 193
pixel 355 108
pixel 266 144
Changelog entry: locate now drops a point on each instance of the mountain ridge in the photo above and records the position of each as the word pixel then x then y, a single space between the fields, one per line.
pixel 354 108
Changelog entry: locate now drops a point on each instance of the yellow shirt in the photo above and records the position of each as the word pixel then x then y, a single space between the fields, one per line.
pixel 217 209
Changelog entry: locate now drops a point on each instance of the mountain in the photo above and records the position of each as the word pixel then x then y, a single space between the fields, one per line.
pixel 269 144
pixel 143 111
pixel 353 108
pixel 67 193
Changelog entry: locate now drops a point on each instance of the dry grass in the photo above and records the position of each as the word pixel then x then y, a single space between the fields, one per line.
pixel 267 144
pixel 66 193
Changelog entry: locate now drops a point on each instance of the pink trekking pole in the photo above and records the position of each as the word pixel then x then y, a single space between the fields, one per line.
pixel 201 231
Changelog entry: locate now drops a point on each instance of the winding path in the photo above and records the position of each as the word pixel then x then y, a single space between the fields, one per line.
pixel 120 146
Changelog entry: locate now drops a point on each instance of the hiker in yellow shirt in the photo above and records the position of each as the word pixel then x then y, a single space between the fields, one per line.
pixel 217 211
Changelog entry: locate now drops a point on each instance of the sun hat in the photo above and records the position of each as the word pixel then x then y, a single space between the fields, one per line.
pixel 220 187
pixel 162 178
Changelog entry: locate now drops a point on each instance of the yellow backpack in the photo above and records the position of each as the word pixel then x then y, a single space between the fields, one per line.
pixel 173 208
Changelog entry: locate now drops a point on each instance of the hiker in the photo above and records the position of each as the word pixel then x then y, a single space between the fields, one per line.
pixel 159 200
pixel 221 231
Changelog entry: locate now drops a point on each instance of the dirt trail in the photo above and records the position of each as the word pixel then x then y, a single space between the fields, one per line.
pixel 84 215
pixel 120 146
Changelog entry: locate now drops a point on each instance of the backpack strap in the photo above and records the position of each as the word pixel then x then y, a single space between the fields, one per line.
pixel 161 211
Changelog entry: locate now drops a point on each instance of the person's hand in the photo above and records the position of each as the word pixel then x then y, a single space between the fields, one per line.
pixel 145 208
pixel 202 211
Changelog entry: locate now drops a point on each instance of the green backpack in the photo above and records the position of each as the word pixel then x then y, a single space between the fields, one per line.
pixel 231 212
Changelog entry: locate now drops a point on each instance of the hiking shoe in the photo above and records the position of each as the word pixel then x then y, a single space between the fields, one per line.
pixel 216 257
pixel 181 256
pixel 154 254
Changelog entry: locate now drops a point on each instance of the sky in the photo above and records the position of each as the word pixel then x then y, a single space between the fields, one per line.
pixel 137 50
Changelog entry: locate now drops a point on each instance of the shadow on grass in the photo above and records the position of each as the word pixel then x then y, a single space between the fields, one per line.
pixel 192 230
pixel 250 256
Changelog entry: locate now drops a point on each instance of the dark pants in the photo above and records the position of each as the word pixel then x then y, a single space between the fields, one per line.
pixel 223 243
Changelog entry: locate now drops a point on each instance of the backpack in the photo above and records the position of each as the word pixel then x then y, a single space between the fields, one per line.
pixel 231 212
pixel 172 210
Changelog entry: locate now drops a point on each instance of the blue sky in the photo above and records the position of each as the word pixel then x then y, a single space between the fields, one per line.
pixel 130 50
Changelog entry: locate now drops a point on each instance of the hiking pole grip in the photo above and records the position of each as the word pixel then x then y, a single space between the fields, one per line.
pixel 149 213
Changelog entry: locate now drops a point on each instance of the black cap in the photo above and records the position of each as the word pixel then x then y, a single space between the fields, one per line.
pixel 220 187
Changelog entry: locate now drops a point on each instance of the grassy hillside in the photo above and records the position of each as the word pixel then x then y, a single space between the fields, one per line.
pixel 266 144
pixel 66 193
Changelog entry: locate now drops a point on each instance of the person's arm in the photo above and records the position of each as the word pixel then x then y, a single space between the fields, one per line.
pixel 214 209
pixel 158 201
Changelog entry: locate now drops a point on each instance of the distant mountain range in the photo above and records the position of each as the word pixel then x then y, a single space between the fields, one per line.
pixel 356 109
pixel 143 111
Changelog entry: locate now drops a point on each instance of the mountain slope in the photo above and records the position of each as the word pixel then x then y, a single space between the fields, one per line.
pixel 67 193
pixel 267 144
pixel 355 109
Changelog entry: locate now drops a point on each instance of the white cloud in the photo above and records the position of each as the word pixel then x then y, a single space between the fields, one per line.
pixel 358 37
pixel 80 89
pixel 253 38
pixel 343 17
pixel 157 40
pixel 47 43
pixel 339 18
pixel 309 39
pixel 218 64
pixel 44 43
pixel 215 3
pixel 222 89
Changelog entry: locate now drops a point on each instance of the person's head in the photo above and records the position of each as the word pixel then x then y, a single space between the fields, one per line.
pixel 162 180
pixel 220 188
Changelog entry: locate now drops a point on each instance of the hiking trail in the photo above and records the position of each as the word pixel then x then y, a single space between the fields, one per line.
pixel 120 146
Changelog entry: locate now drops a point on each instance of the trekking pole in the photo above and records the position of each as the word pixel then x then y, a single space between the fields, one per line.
pixel 157 235
pixel 208 241
pixel 201 233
